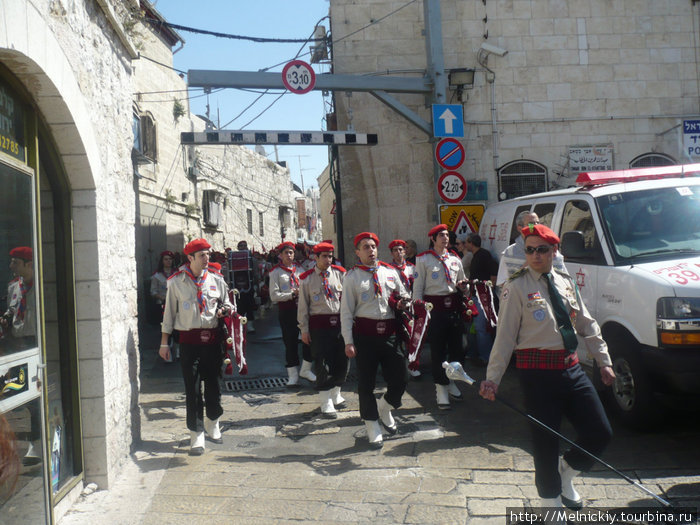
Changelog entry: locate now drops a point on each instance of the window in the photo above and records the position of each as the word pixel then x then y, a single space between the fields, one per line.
pixel 577 217
pixel 144 129
pixel 514 233
pixel 212 201
pixel 261 225
pixel 520 178
pixel 249 216
pixel 545 212
pixel 651 160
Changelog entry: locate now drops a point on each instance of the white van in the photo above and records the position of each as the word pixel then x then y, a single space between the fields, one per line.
pixel 631 239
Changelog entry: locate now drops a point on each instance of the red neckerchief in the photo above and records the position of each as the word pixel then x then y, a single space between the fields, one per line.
pixel 292 274
pixel 373 271
pixel 24 289
pixel 404 278
pixel 442 259
pixel 326 287
pixel 198 282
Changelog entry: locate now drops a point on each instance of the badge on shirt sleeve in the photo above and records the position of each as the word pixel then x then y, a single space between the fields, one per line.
pixel 539 315
pixel 186 305
pixel 434 275
pixel 285 286
pixel 316 298
pixel 365 297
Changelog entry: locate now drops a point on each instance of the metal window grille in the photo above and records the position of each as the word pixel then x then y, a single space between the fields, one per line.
pixel 249 216
pixel 521 178
pixel 261 224
pixel 651 160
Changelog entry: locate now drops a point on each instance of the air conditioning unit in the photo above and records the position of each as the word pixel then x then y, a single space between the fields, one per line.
pixel 212 207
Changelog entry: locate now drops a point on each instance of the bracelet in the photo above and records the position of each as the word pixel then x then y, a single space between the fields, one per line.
pixel 164 346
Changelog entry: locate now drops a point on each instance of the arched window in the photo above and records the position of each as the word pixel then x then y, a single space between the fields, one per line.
pixel 519 178
pixel 651 160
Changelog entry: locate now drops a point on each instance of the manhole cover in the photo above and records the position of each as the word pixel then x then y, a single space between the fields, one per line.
pixel 262 383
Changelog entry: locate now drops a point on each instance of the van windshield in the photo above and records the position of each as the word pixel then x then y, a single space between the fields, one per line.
pixel 653 224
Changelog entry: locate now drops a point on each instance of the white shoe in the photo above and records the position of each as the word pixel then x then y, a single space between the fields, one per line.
pixel 553 512
pixel 443 397
pixel 327 409
pixel 250 327
pixel 338 400
pixel 196 443
pixel 211 427
pixel 454 391
pixel 293 373
pixel 374 434
pixel 569 495
pixel 306 372
pixel 414 373
pixel 384 409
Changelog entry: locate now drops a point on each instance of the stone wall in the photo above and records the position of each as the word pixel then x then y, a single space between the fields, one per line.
pixel 576 73
pixel 75 66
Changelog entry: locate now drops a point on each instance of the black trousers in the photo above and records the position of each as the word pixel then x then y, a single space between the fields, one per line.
pixel 246 304
pixel 330 361
pixel 445 338
pixel 549 395
pixel 372 352
pixel 290 337
pixel 201 363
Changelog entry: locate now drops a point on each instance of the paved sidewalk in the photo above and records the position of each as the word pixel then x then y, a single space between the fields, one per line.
pixel 282 463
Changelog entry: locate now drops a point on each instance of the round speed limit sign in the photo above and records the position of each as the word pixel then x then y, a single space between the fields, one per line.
pixel 452 187
pixel 298 77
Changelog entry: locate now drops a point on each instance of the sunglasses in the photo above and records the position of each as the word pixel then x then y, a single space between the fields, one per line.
pixel 543 248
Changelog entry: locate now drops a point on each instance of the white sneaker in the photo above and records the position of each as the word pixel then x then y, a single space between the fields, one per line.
pixel 338 400
pixel 374 434
pixel 293 373
pixel 212 429
pixel 196 443
pixel 569 495
pixel 327 409
pixel 414 373
pixel 306 372
pixel 250 327
pixel 384 409
pixel 443 397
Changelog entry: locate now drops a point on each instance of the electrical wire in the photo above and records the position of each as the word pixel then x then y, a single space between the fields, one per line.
pixel 260 40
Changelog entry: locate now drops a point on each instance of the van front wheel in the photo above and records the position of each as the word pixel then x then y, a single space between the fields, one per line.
pixel 630 395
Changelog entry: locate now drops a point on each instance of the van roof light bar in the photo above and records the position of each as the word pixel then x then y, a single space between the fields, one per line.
pixel 595 178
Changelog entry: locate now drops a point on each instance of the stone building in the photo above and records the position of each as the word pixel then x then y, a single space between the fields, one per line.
pixel 94 182
pixel 571 86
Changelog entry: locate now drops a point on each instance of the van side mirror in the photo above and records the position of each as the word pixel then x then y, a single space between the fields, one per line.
pixel 573 245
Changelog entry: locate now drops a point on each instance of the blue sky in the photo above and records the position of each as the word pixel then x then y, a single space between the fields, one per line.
pixel 263 18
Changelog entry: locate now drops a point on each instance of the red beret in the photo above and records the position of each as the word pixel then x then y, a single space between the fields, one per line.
pixel 365 235
pixel 437 229
pixel 323 247
pixel 196 245
pixel 284 245
pixel 215 265
pixel 396 242
pixel 22 252
pixel 166 252
pixel 540 230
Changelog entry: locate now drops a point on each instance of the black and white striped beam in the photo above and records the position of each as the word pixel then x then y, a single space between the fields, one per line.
pixel 296 138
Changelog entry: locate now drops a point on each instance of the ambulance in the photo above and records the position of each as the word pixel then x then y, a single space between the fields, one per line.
pixel 631 240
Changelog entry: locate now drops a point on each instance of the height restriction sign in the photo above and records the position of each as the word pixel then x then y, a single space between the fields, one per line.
pixel 452 187
pixel 298 77
pixel 449 153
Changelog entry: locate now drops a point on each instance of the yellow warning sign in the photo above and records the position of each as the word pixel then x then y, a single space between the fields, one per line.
pixel 462 218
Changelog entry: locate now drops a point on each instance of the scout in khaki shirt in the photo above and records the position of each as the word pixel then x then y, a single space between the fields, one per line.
pixel 320 290
pixel 195 301
pixel 284 292
pixel 541 313
pixel 440 280
pixel 372 291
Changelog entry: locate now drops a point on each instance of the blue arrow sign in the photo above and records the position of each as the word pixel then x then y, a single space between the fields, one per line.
pixel 448 120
